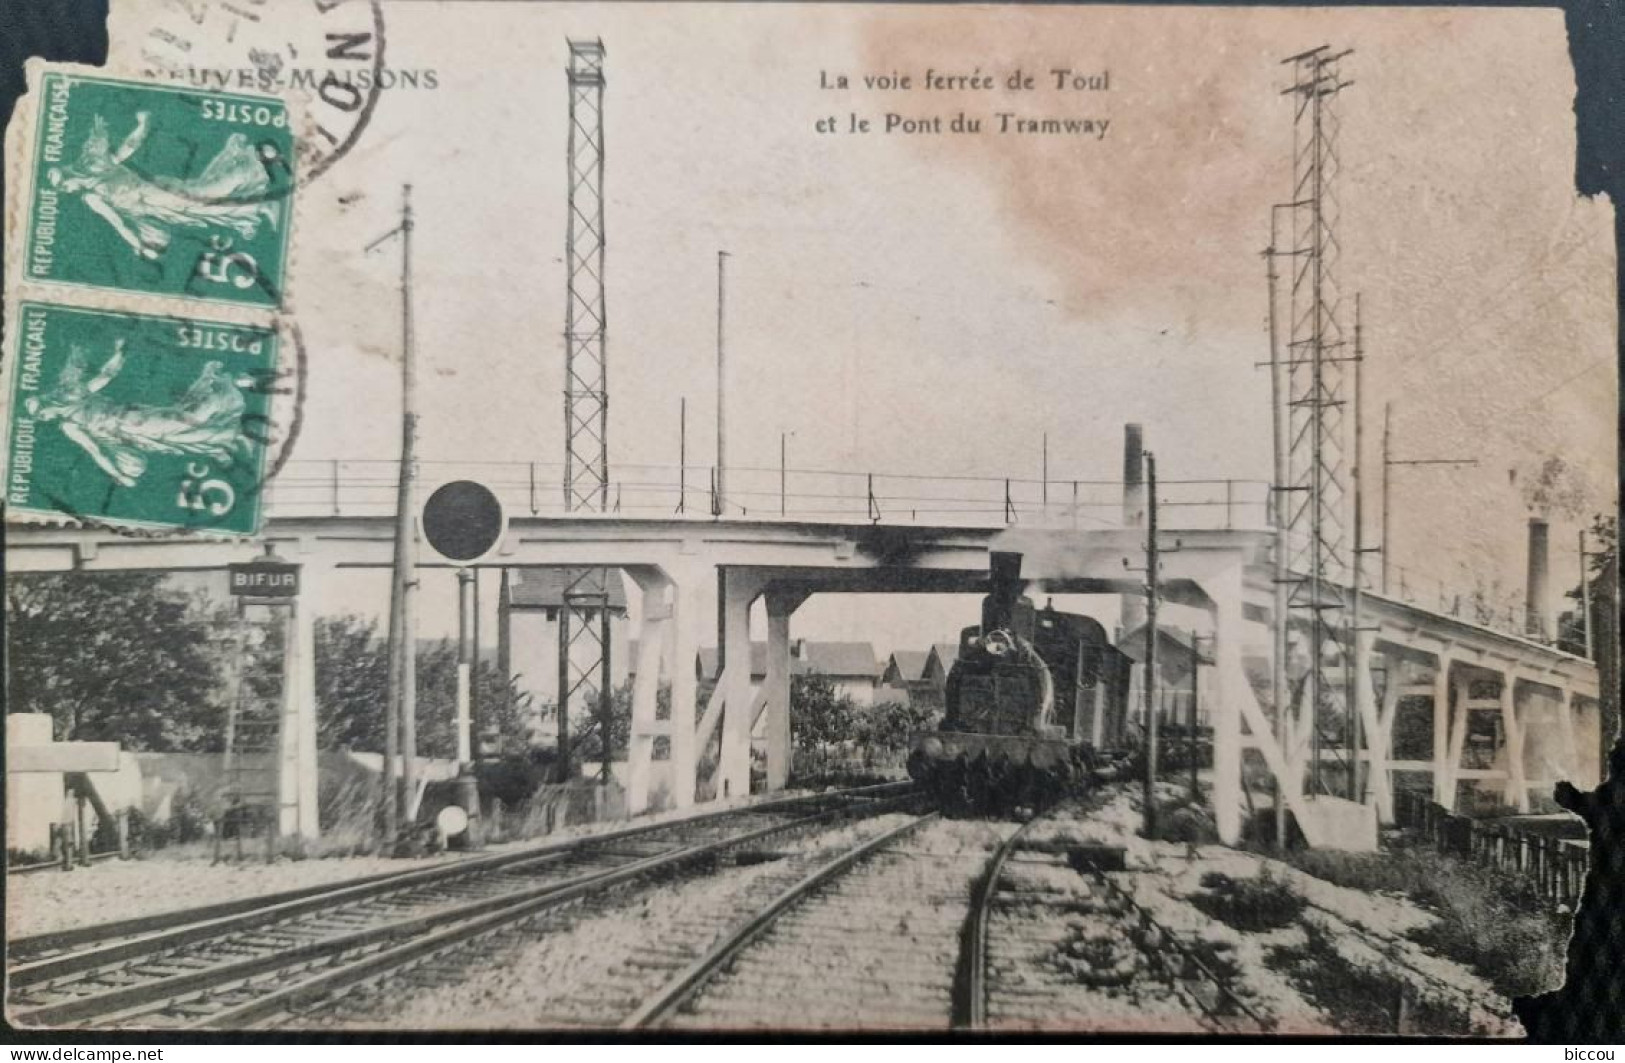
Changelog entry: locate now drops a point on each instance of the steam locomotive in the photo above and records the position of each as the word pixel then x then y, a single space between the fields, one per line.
pixel 1036 701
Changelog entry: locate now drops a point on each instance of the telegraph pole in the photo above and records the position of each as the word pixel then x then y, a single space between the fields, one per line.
pixel 1585 597
pixel 1353 660
pixel 1044 464
pixel 1280 516
pixel 401 717
pixel 1388 462
pixel 722 392
pixel 1151 595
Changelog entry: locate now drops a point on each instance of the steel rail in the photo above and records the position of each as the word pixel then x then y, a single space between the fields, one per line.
pixel 208 981
pixel 970 987
pixel 324 983
pixel 48 865
pixel 124 939
pixel 1166 937
pixel 686 984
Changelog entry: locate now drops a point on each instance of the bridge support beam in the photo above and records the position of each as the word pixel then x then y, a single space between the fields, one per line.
pixel 776 687
pixel 1441 731
pixel 686 625
pixel 1516 790
pixel 1461 694
pixel 1376 724
pixel 1235 696
pixel 733 686
pixel 654 633
pixel 299 778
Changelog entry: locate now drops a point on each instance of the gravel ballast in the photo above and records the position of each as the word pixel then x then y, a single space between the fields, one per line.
pixel 45 901
pixel 172 880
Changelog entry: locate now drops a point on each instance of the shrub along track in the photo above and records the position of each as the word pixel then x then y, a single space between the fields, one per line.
pixel 240 963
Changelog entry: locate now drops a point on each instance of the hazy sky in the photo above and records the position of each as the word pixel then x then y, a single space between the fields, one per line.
pixel 934 304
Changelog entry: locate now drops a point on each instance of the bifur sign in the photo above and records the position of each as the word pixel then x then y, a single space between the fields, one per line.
pixel 264 579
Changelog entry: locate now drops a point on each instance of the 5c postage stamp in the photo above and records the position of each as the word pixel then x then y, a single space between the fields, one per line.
pixel 139 420
pixel 160 190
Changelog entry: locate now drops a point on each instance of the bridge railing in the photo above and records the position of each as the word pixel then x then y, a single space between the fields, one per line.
pixel 362 487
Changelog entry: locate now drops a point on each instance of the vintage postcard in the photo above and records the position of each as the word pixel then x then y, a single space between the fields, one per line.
pixel 1093 520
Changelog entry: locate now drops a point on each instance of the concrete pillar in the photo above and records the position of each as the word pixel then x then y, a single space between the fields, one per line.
pixel 1376 734
pixel 776 686
pixel 1566 708
pixel 300 777
pixel 1516 792
pixel 733 769
pixel 1234 693
pixel 688 620
pixel 1460 689
pixel 1441 732
pixel 652 638
pixel 34 798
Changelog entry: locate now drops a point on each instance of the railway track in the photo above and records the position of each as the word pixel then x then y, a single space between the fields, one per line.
pixel 1054 938
pixel 238 964
pixel 622 951
pixel 871 929
pixel 839 947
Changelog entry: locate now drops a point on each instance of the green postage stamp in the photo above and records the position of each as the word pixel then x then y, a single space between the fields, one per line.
pixel 140 420
pixel 160 190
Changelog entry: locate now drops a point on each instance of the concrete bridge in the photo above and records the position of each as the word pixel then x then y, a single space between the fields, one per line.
pixel 1540 703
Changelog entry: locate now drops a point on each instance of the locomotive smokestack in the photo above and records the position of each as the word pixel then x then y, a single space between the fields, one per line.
pixel 1133 605
pixel 1004 588
pixel 1538 585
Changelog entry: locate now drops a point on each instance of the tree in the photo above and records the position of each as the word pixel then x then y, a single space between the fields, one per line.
pixel 115 657
pixel 885 728
pixel 352 683
pixel 352 692
pixel 818 716
pixel 584 725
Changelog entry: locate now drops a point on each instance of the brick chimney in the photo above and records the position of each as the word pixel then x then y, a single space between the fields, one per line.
pixel 1538 586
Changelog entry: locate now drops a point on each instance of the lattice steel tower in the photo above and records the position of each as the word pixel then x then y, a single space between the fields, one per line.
pixel 583 616
pixel 586 388
pixel 1316 493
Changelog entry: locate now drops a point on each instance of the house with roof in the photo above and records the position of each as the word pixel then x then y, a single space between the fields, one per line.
pixel 528 612
pixel 851 667
pixel 1184 662
pixel 920 674
pixel 904 667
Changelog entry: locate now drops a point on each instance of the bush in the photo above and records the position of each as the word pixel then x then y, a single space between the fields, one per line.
pixel 1494 923
pixel 1250 904
pixel 511 779
pixel 1360 999
pixel 1188 825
